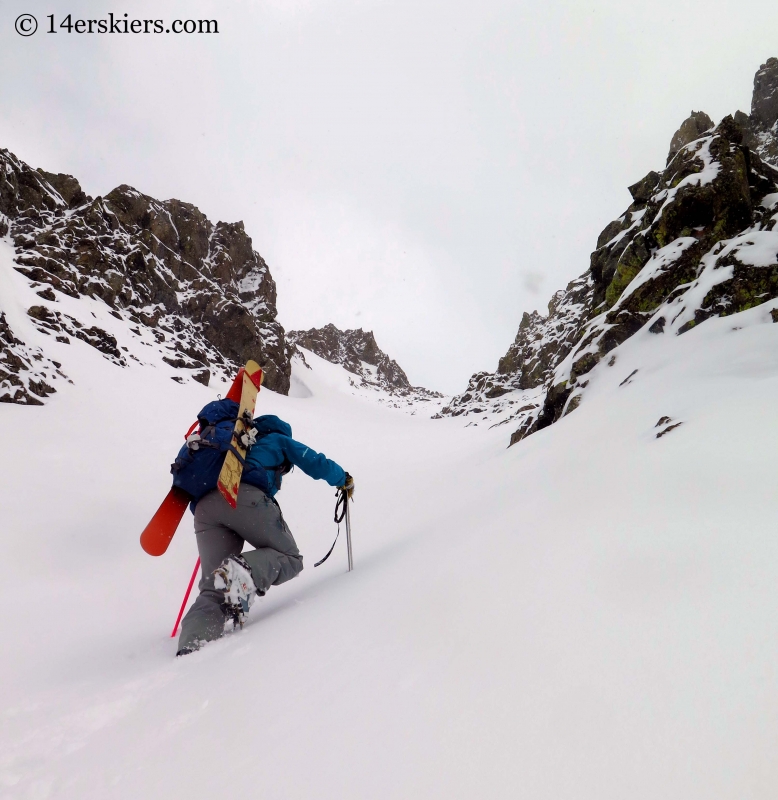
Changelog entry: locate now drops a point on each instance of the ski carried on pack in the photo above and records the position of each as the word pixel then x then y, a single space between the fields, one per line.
pixel 229 477
pixel 231 438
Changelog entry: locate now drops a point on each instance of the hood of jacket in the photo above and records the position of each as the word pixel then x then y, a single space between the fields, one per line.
pixel 270 423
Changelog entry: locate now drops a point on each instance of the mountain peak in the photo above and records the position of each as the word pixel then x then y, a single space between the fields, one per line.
pixel 358 352
pixel 691 128
pixel 764 101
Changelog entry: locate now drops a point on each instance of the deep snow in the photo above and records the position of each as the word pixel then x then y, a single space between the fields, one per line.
pixel 592 613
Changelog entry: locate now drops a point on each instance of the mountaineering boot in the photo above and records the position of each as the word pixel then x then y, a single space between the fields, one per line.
pixel 233 577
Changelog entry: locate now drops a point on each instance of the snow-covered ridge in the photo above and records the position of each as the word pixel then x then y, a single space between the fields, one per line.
pixel 194 291
pixel 359 354
pixel 514 395
pixel 698 241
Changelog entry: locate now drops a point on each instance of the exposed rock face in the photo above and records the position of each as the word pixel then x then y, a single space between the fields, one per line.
pixel 691 128
pixel 764 102
pixel 24 372
pixel 358 352
pixel 206 294
pixel 699 239
pixel 758 128
pixel 540 345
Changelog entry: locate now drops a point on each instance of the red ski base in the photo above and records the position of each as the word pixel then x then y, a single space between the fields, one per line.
pixel 158 534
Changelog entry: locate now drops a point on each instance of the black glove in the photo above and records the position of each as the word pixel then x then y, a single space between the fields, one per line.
pixel 348 486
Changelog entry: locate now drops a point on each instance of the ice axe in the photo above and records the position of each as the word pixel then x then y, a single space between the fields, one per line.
pixel 342 513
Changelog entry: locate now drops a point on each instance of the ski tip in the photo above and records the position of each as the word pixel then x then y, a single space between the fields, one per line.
pixel 255 373
pixel 237 387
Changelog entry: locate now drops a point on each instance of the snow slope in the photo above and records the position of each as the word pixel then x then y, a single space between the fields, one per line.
pixel 336 377
pixel 592 613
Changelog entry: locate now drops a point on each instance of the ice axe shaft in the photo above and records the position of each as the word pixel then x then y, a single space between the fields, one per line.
pixel 348 536
pixel 186 597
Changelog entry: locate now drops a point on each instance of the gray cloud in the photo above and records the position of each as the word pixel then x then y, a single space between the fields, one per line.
pixel 532 281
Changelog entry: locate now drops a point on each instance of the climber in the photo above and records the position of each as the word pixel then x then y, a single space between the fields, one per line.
pixel 230 582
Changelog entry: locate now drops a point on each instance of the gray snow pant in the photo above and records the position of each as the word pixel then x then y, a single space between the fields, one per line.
pixel 222 531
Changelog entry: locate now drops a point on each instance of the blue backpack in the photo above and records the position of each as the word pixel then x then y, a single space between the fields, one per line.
pixel 199 462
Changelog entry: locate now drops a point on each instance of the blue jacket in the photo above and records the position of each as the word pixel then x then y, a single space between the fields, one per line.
pixel 276 446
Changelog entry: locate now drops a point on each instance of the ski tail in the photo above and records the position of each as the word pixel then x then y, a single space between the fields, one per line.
pixel 158 534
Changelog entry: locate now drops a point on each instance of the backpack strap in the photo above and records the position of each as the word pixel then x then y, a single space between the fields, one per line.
pixel 194 441
pixel 284 468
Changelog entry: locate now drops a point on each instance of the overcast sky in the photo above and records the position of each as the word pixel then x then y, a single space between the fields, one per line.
pixel 426 170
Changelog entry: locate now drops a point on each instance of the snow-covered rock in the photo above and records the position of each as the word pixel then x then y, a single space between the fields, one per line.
pixel 698 241
pixel 515 393
pixel 197 289
pixel 358 352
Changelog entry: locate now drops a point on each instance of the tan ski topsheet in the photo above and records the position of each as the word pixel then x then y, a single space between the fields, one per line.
pixel 229 477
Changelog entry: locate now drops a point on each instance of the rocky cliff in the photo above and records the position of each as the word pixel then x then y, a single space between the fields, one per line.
pixel 201 290
pixel 358 352
pixel 698 240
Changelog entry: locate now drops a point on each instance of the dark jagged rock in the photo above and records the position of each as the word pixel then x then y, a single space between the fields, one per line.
pixel 641 192
pixel 700 239
pixel 359 353
pixel 25 373
pixel 758 128
pixel 68 187
pixel 205 292
pixel 764 101
pixel 691 128
pixel 540 345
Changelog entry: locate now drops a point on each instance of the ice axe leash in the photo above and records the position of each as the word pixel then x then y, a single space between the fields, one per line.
pixel 342 512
